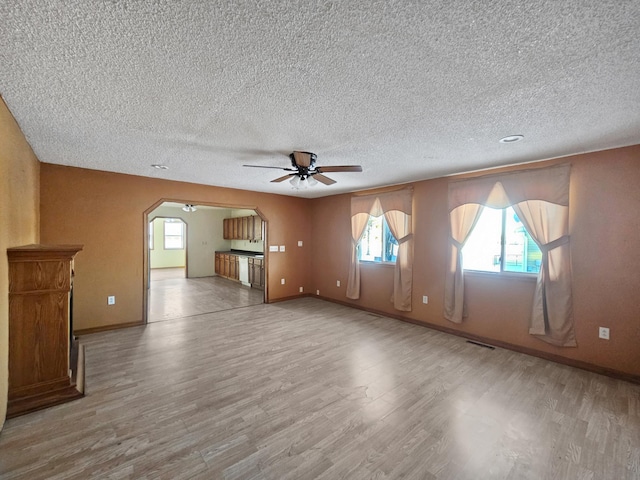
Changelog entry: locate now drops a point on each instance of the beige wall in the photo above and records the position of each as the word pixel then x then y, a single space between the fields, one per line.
pixel 105 212
pixel 19 216
pixel 604 228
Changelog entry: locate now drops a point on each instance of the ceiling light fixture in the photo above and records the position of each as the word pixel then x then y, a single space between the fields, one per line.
pixel 295 181
pixel 160 167
pixel 189 208
pixel 303 181
pixel 511 139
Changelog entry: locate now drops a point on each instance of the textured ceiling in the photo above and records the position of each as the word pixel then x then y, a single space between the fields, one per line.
pixel 408 89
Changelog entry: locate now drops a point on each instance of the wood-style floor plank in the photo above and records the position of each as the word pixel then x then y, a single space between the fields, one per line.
pixel 309 389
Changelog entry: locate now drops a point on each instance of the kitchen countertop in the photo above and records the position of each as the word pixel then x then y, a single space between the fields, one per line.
pixel 242 253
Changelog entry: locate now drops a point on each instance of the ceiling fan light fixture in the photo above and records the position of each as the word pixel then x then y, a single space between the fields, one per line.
pixel 189 208
pixel 312 181
pixel 511 139
pixel 159 166
pixel 295 181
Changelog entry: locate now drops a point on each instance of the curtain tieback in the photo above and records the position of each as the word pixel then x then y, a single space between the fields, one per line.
pixel 558 242
pixel 456 243
pixel 405 239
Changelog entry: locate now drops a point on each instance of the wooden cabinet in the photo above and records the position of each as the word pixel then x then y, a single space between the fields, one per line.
pixel 40 336
pixel 225 229
pixel 256 272
pixel 257 228
pixel 242 228
pixel 217 263
pixel 228 265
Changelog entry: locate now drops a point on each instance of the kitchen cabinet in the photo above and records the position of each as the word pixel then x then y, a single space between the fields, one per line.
pixel 242 228
pixel 227 265
pixel 256 272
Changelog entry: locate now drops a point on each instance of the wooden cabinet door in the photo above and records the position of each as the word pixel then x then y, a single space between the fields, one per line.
pixel 249 228
pixel 225 229
pixel 245 229
pixel 251 276
pixel 258 273
pixel 217 263
pixel 233 267
pixel 235 235
pixel 257 228
pixel 225 261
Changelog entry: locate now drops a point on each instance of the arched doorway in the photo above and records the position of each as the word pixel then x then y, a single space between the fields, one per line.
pixel 201 289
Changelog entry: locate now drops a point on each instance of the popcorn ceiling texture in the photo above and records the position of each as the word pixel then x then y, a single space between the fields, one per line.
pixel 410 90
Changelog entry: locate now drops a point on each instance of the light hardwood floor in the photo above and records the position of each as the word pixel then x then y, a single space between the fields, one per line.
pixel 173 296
pixel 308 389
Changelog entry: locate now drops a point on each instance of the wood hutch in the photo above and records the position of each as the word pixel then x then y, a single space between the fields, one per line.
pixel 43 354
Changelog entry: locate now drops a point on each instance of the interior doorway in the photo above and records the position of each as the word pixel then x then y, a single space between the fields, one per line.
pixel 191 281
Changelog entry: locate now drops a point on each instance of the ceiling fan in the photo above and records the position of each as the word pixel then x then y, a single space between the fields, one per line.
pixel 304 168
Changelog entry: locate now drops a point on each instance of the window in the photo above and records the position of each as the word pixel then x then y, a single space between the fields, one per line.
pixel 500 243
pixel 377 243
pixel 151 235
pixel 173 234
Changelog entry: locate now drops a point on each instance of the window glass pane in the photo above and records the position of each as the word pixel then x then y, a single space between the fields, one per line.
pixel 482 250
pixel 521 252
pixel 173 234
pixel 377 243
pixel 390 244
pixel 371 243
pixel 151 235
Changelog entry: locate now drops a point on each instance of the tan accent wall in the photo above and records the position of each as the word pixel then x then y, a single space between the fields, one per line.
pixel 605 249
pixel 105 212
pixel 19 217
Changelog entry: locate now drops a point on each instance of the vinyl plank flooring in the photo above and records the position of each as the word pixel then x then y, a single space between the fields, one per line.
pixel 173 296
pixel 309 389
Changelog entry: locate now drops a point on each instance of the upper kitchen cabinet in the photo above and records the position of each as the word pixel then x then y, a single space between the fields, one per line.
pixel 242 228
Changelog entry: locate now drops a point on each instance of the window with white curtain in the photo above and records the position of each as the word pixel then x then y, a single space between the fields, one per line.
pixel 500 243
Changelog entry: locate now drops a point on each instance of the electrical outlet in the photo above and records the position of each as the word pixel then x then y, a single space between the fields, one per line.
pixel 337 283
pixel 603 332
pixel 300 289
pixel 111 300
pixel 282 248
pixel 299 243
pixel 425 299
pixel 282 281
pixel 317 292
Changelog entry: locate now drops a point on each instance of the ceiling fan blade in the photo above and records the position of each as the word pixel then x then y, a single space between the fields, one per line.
pixel 340 168
pixel 283 178
pixel 264 166
pixel 303 159
pixel 322 179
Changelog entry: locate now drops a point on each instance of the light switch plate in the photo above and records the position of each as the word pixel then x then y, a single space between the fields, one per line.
pixel 299 243
pixel 273 248
pixel 282 248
